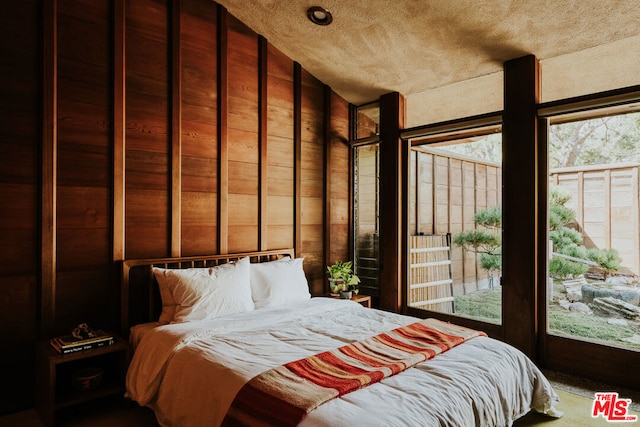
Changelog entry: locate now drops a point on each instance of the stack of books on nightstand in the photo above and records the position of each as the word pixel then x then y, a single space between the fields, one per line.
pixel 70 344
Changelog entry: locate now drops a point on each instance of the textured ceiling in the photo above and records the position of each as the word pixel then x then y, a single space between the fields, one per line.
pixel 410 46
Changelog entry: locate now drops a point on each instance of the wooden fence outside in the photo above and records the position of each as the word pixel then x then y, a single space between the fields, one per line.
pixel 446 190
pixel 605 201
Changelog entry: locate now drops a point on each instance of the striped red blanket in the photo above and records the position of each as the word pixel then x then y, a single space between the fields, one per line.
pixel 283 396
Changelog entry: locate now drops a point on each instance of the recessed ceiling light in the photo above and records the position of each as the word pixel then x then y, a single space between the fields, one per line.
pixel 319 15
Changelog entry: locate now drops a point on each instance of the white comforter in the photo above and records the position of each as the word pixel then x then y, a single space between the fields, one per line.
pixel 189 373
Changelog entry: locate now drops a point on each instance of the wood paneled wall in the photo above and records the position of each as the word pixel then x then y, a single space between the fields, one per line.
pixel 150 128
pixel 20 168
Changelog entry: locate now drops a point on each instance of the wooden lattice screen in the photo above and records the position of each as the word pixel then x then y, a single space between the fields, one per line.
pixel 431 285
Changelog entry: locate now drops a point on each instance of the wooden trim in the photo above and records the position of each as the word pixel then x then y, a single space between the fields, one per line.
pixel 297 155
pixel 617 101
pixel 612 365
pixel 223 123
pixel 450 192
pixel 417 211
pixel 49 168
pixel 119 128
pixel 351 220
pixel 327 160
pixel 263 166
pixel 404 148
pixel 520 271
pixel 453 129
pixel 543 236
pixel 176 130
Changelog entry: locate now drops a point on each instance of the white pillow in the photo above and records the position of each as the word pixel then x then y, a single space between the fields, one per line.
pixel 279 283
pixel 168 304
pixel 208 293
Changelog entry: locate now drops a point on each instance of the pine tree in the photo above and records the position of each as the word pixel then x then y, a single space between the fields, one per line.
pixel 571 258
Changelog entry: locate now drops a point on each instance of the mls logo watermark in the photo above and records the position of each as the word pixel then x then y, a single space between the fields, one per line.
pixel 612 408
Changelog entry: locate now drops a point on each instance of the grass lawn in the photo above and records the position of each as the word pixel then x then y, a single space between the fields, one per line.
pixel 486 305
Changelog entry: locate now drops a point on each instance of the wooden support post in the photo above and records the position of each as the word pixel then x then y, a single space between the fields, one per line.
pixel 520 203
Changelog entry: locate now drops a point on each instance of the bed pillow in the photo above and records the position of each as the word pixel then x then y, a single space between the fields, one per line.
pixel 202 294
pixel 168 304
pixel 279 283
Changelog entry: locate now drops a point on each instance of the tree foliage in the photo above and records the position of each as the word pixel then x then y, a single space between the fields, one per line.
pixel 602 140
pixel 571 258
pixel 567 240
pixel 486 240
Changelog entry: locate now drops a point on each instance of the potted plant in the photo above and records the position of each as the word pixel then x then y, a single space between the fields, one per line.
pixel 342 280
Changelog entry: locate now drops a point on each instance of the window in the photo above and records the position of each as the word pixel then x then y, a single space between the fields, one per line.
pixel 366 216
pixel 366 192
pixel 594 227
pixel 455 188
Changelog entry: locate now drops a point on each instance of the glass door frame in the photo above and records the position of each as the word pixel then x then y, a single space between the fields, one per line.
pixel 581 358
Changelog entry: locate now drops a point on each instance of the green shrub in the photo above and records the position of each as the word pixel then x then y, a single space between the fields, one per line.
pixel 608 260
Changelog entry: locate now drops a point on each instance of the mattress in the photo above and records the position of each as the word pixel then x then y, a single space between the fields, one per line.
pixel 189 373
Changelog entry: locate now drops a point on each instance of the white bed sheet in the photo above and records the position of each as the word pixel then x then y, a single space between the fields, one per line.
pixel 189 373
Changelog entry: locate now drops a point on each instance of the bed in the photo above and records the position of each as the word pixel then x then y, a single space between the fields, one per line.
pixel 233 319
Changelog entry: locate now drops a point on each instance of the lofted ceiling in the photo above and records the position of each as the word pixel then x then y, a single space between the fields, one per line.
pixel 411 46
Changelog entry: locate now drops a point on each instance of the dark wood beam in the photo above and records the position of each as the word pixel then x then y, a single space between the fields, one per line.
pixel 520 203
pixel 392 182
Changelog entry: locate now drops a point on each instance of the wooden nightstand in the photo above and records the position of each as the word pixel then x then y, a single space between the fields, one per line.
pixel 54 388
pixel 364 300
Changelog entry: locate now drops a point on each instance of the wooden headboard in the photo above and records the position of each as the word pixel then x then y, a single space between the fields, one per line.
pixel 140 297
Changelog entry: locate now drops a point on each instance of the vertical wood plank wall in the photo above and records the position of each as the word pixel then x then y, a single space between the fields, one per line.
pixel 150 128
pixel 21 131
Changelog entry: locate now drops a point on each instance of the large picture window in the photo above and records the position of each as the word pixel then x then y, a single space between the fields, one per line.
pixel 455 235
pixel 594 228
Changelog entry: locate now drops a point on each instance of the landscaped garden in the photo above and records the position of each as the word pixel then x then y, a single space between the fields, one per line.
pixel 615 331
pixel 604 309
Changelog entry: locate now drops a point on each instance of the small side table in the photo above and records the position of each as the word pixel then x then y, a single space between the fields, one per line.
pixel 364 300
pixel 55 390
